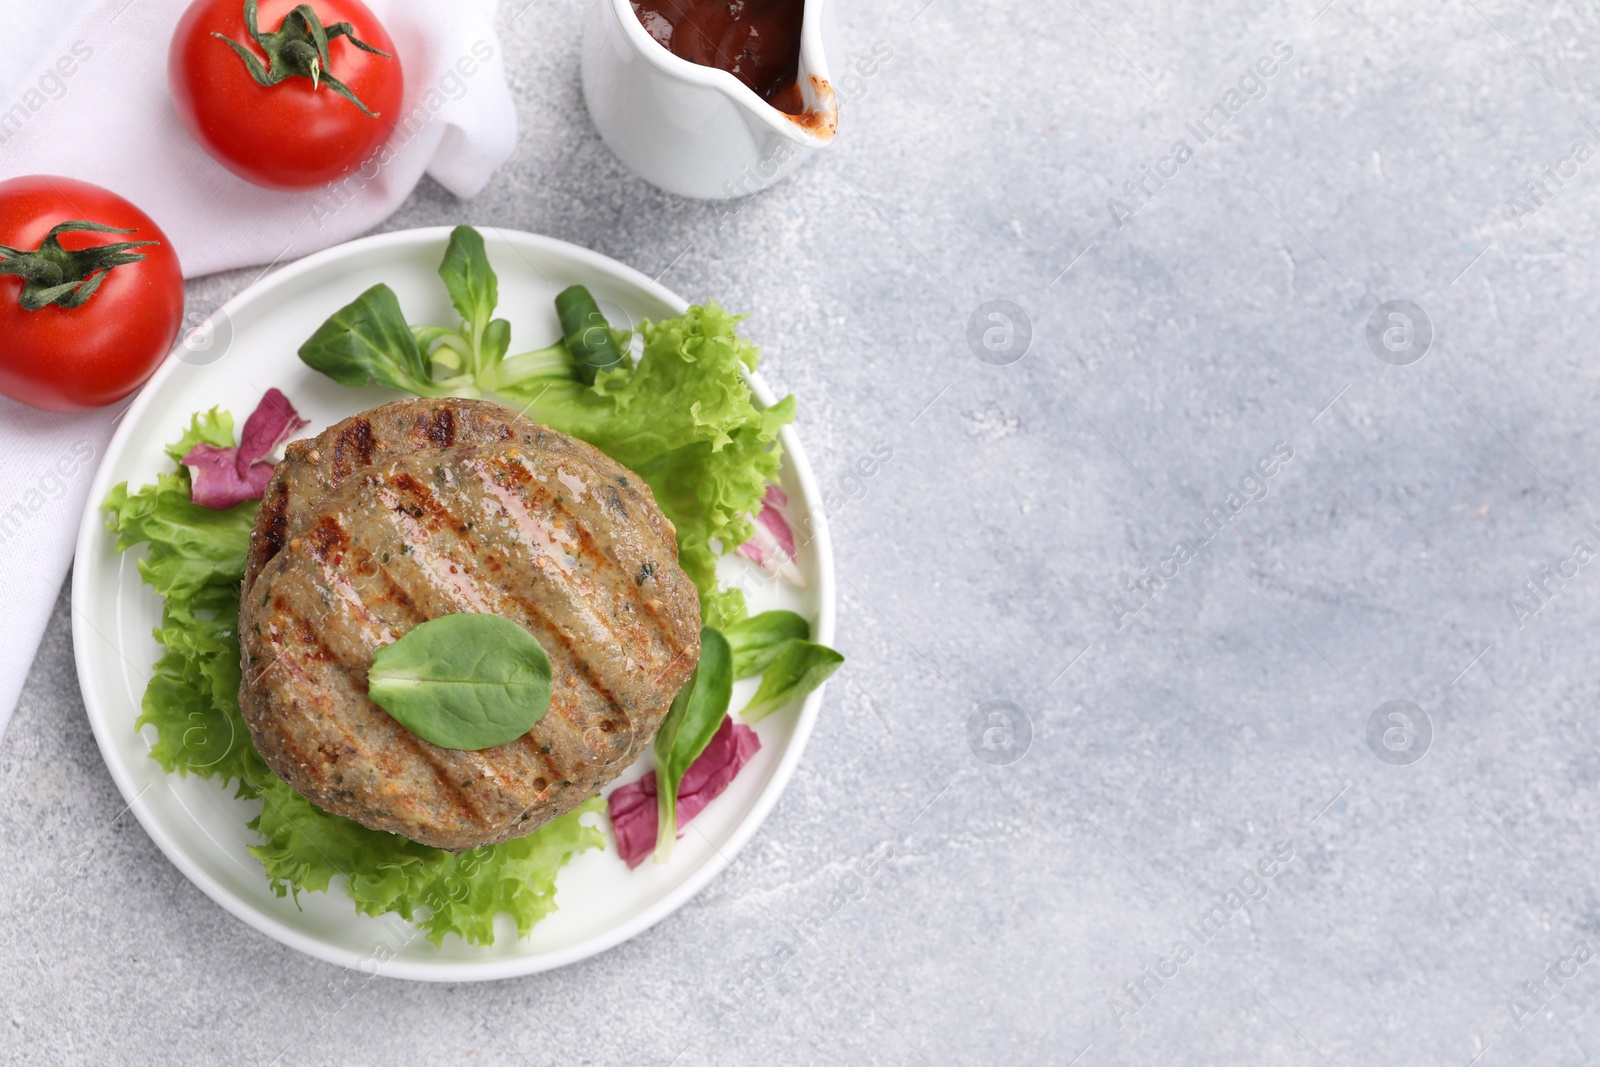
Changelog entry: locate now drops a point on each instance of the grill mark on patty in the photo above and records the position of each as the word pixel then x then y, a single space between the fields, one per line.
pixel 301 629
pixel 285 741
pixel 327 540
pixel 578 664
pixel 590 549
pixel 273 522
pixel 309 470
pixel 427 562
pixel 519 472
pixel 415 523
pixel 352 449
pixel 591 552
pixel 578 667
pixel 576 715
pixel 547 539
pixel 574 599
pixel 426 506
pixel 650 607
pixel 446 776
pixel 441 429
pixel 308 631
pixel 355 678
pixel 394 594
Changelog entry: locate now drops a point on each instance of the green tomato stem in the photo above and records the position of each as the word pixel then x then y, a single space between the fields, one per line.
pixel 52 275
pixel 298 48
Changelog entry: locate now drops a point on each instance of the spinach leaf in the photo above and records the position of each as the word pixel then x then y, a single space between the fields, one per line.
pixel 368 340
pixel 798 668
pixel 463 681
pixel 697 711
pixel 757 640
pixel 587 335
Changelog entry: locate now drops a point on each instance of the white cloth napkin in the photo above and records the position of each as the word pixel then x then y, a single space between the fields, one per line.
pixel 111 122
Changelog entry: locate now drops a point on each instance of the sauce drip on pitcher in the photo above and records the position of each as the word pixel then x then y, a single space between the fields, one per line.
pixel 757 41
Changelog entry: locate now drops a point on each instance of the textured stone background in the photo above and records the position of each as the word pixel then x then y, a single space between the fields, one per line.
pixel 1226 717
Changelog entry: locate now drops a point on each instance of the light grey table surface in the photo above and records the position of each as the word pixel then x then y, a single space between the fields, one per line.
pixel 1432 910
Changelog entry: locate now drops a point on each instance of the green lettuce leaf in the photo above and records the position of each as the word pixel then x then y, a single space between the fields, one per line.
pixel 443 892
pixel 687 423
pixel 194 558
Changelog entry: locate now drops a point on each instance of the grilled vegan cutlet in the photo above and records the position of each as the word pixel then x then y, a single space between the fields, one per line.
pixel 418 509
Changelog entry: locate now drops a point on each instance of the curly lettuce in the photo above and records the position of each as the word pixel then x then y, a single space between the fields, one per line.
pixel 305 847
pixel 194 559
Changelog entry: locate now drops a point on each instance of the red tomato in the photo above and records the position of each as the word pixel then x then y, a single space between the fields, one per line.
pixel 76 358
pixel 289 135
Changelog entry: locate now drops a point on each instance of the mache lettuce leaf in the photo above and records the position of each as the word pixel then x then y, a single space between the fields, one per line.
pixel 194 558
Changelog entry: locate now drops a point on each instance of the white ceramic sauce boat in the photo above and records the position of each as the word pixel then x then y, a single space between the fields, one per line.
pixel 695 130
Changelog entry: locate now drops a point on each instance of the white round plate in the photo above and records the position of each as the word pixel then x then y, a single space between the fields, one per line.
pixel 197 822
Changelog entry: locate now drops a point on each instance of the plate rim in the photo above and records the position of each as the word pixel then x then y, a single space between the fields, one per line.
pixel 92 532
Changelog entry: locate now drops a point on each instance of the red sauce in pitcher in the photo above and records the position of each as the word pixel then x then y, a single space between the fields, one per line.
pixel 757 41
